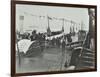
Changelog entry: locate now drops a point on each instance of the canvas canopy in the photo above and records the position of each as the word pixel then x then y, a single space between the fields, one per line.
pixel 23 45
pixel 54 36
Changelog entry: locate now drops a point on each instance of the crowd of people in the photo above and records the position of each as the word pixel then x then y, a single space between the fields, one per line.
pixel 31 36
pixel 40 37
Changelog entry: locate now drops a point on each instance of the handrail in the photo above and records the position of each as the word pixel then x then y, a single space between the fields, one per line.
pixel 72 43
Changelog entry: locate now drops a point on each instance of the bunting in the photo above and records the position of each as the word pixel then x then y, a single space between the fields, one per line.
pixel 51 18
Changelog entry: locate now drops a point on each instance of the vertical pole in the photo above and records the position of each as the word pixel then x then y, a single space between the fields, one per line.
pixel 63 22
pixel 88 40
pixel 47 25
pixel 48 20
pixel 71 27
pixel 63 27
pixel 63 50
pixel 19 58
pixel 48 29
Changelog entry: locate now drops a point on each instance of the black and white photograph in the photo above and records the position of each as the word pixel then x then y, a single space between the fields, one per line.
pixel 54 38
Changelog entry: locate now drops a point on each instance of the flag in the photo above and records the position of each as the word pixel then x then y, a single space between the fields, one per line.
pixel 50 18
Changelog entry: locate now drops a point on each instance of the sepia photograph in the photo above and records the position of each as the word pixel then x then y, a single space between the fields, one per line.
pixel 54 38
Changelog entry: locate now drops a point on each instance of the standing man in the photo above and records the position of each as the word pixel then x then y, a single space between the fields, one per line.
pixel 69 39
pixel 63 45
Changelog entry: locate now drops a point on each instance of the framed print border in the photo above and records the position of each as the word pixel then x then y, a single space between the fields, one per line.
pixel 13 36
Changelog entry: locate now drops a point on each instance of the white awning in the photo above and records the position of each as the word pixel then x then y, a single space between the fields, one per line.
pixel 23 45
pixel 55 36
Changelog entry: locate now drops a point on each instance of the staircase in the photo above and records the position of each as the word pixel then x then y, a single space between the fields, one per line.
pixel 86 60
